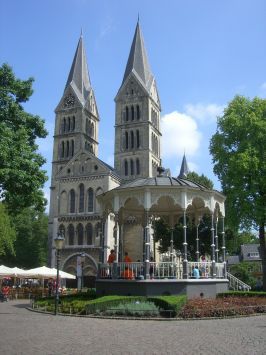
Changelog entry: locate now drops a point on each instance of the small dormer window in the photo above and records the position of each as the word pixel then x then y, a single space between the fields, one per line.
pixel 253 255
pixel 96 167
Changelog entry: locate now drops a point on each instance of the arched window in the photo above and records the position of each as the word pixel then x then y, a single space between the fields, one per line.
pixel 80 234
pixel 64 125
pixel 92 130
pixel 71 234
pixel 131 167
pixel 81 198
pixel 138 142
pixel 62 149
pixel 137 167
pixel 90 200
pixel 132 113
pixel 138 112
pixel 98 230
pixel 72 147
pixel 72 201
pixel 132 139
pixel 127 113
pixel 67 149
pixel 69 124
pixel 61 230
pixel 87 128
pixel 126 134
pixel 126 168
pixel 73 123
pixel 89 233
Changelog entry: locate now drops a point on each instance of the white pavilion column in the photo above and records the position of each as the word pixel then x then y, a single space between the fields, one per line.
pixel 213 270
pixel 198 219
pixel 172 239
pixel 223 247
pixel 147 205
pixel 116 243
pixel 116 235
pixel 147 245
pixel 216 240
pixel 185 261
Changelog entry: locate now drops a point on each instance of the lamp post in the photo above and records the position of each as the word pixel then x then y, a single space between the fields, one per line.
pixel 82 261
pixel 59 242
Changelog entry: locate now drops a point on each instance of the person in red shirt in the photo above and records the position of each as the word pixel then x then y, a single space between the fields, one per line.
pixel 127 259
pixel 111 257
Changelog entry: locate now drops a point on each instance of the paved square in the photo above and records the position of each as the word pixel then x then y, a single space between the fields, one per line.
pixel 25 332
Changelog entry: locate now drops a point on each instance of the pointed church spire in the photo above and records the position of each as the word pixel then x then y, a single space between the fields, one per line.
pixel 138 60
pixel 79 75
pixel 184 168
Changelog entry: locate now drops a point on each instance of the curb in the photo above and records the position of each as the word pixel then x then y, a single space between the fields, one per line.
pixel 144 319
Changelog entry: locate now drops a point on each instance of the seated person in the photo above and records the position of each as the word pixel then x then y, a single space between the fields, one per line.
pixel 195 273
pixel 127 274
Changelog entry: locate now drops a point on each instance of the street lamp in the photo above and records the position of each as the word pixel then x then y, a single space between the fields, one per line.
pixel 82 261
pixel 59 242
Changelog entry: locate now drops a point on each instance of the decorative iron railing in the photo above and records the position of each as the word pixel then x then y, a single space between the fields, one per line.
pixel 158 270
pixel 236 284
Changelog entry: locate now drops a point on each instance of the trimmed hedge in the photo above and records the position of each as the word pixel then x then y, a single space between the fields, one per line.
pixel 169 305
pixel 241 294
pixel 105 302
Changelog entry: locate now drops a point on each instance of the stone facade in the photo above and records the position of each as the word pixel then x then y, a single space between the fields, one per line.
pixel 78 176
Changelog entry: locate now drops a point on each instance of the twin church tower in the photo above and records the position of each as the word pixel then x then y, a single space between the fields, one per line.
pixel 78 175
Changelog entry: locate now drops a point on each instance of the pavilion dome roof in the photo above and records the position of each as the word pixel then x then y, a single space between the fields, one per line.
pixel 162 181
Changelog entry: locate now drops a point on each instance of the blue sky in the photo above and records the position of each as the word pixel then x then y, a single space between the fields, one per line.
pixel 202 53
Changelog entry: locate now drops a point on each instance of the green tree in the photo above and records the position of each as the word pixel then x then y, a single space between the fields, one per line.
pixel 200 179
pixel 162 235
pixel 7 233
pixel 21 177
pixel 239 157
pixel 241 271
pixel 30 246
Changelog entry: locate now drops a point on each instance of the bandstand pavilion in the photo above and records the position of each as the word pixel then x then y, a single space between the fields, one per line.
pixel 135 205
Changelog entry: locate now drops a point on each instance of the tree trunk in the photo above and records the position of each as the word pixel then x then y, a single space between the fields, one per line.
pixel 263 253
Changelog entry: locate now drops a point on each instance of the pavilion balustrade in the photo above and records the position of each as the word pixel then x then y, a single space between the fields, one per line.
pixel 158 270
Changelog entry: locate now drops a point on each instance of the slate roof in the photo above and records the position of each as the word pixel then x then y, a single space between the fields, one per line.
pixel 138 60
pixel 162 181
pixel 79 75
pixel 247 249
pixel 233 259
pixel 184 168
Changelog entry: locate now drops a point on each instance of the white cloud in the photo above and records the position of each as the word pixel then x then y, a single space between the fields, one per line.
pixel 263 86
pixel 204 113
pixel 179 133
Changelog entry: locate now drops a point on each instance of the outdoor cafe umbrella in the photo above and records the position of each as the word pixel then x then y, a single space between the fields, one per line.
pixel 5 271
pixel 45 272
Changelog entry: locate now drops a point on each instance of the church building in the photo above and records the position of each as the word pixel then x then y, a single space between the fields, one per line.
pixel 79 176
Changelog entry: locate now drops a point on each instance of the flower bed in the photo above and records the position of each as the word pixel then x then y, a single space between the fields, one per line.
pixel 223 307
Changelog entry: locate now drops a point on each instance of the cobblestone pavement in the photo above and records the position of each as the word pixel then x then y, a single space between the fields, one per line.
pixel 26 332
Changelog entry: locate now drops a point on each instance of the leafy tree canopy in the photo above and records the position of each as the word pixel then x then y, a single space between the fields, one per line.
pixel 21 177
pixel 31 240
pixel 200 179
pixel 162 235
pixel 7 233
pixel 239 157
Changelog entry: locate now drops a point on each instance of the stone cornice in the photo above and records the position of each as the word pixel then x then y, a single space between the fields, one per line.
pixel 78 218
